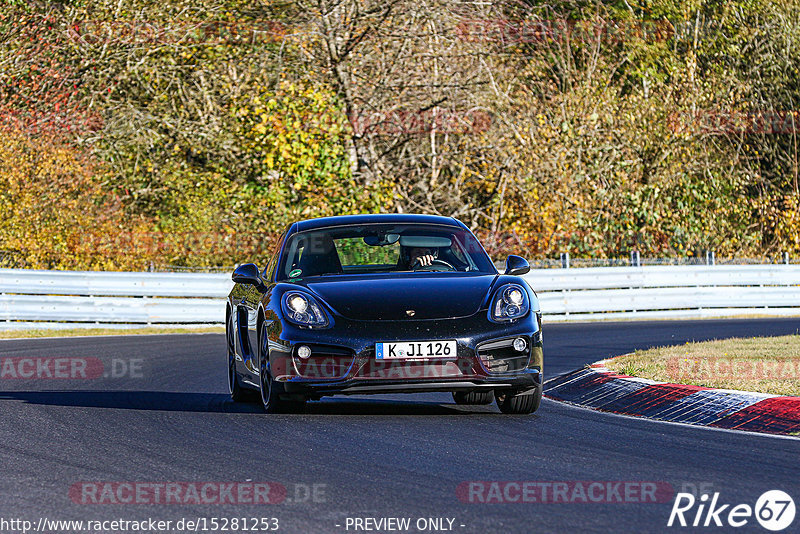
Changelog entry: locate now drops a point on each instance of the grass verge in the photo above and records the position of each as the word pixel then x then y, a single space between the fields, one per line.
pixel 762 364
pixel 76 332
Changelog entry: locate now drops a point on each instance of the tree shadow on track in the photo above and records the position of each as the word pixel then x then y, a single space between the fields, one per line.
pixel 221 403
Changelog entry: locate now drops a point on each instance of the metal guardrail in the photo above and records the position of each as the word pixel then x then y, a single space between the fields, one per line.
pixel 111 297
pixel 667 291
pixel 30 298
pixel 135 284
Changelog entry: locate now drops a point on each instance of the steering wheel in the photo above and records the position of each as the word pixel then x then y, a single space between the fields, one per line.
pixel 436 265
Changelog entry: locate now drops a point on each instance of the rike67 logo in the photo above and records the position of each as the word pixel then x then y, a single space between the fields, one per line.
pixel 774 510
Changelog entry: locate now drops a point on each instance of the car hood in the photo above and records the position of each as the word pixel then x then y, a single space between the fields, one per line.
pixel 429 296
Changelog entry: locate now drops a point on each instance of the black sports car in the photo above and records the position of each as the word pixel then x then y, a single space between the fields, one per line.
pixel 383 304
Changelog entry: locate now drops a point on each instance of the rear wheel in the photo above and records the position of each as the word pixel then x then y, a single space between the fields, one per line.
pixel 272 390
pixel 473 397
pixel 517 403
pixel 238 393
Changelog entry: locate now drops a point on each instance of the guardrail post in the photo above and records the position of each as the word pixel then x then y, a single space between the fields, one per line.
pixel 565 260
pixel 786 258
pixel 635 259
pixel 709 257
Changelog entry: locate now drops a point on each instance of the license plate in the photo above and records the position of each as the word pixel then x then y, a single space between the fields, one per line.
pixel 415 350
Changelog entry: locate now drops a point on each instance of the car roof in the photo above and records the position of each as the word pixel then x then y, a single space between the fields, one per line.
pixel 388 218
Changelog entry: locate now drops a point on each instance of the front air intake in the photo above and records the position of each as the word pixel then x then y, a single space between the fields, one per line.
pixel 499 357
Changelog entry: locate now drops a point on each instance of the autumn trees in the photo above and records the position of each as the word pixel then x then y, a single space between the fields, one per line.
pixel 592 128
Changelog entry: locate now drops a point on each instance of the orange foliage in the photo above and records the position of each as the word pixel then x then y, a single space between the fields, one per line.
pixel 52 206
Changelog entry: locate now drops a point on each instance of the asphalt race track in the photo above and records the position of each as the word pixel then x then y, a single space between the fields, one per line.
pixel 162 414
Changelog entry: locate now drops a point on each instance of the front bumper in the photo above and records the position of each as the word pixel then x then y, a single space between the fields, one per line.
pixel 527 381
pixel 343 357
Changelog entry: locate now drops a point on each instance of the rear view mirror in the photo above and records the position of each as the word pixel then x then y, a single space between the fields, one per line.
pixel 381 241
pixel 517 265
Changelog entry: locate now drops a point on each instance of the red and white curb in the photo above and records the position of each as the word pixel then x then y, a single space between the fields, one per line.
pixel 599 388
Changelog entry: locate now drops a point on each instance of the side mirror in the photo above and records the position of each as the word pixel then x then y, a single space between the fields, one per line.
pixel 247 274
pixel 516 265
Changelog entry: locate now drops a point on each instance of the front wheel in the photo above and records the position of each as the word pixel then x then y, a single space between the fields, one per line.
pixel 271 390
pixel 518 403
pixel 270 398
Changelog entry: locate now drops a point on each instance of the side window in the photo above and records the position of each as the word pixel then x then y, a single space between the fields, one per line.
pixel 457 252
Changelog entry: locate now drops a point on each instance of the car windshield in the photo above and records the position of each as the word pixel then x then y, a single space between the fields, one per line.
pixel 382 248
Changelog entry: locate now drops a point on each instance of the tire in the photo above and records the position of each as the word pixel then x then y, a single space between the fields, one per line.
pixel 473 397
pixel 238 393
pixel 515 403
pixel 271 391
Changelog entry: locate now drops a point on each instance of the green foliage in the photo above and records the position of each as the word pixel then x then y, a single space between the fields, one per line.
pixel 294 139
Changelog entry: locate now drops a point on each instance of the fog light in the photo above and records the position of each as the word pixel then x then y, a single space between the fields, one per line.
pixel 304 351
pixel 520 344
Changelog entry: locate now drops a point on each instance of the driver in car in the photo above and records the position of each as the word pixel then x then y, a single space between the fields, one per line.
pixel 425 256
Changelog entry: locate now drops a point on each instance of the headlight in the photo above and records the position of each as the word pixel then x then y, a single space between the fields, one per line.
pixel 303 309
pixel 510 302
